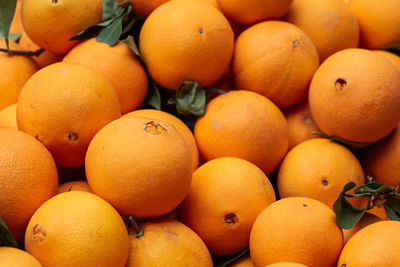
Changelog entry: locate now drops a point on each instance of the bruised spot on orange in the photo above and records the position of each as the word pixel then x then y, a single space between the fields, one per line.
pixel 154 128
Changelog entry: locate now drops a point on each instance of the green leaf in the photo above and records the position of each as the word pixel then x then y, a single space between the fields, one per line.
pixel 227 260
pixel 5 236
pixel 394 203
pixel 154 98
pixel 373 188
pixel 7 10
pixel 109 8
pixel 391 213
pixel 130 41
pixel 111 34
pixel 86 34
pixel 14 37
pixel 348 144
pixel 395 48
pixel 190 99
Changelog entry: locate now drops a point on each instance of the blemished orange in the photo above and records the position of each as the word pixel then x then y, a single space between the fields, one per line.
pixel 359 106
pixel 50 24
pixel 286 264
pixel 8 117
pixel 377 244
pixel 174 121
pixel 28 177
pixel 242 262
pixel 318 169
pixel 330 24
pixel 395 59
pixel 93 233
pixel 226 196
pixel 253 11
pixel 167 242
pixel 275 59
pixel 300 122
pixel 296 229
pixel 74 186
pixel 63 106
pixel 378 22
pixel 197 43
pixel 143 8
pixel 148 170
pixel 366 220
pixel 119 65
pixel 17 258
pixel 245 125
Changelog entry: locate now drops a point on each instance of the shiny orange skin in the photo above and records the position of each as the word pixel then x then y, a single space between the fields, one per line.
pixel 395 59
pixel 366 220
pixel 8 117
pixel 74 186
pixel 17 258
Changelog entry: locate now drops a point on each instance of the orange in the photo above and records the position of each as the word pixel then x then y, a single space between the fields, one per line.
pixel 63 106
pixel 361 105
pixel 8 117
pixel 196 43
pixel 16 25
pixel 319 169
pixel 378 22
pixel 74 186
pixel 119 65
pixel 218 208
pixel 330 24
pixel 300 123
pixel 366 220
pixel 93 233
pixel 395 59
pixel 28 177
pixel 148 170
pixel 167 243
pixel 245 125
pixel 17 258
pixel 296 229
pixel 286 264
pixel 377 244
pixel 174 121
pixel 242 262
pixel 50 24
pixel 275 59
pixel 143 8
pixel 253 11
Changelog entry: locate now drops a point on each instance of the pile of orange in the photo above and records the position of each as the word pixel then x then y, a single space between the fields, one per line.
pixel 92 175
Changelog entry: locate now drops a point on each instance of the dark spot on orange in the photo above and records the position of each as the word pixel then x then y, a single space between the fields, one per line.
pixel 305 205
pixel 340 85
pixel 154 128
pixel 295 43
pixel 38 233
pixel 54 2
pixel 308 120
pixel 201 31
pixel 72 136
pixel 231 219
pixel 324 182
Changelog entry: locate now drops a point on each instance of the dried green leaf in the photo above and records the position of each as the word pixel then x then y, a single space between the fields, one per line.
pixel 5 235
pixel 7 10
pixel 190 99
pixel 394 203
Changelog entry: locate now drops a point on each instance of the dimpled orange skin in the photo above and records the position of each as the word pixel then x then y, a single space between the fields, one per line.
pixel 119 65
pixel 296 229
pixel 74 186
pixel 330 24
pixel 361 105
pixel 8 117
pixel 92 232
pixel 148 170
pixel 143 8
pixel 395 59
pixel 174 121
pixel 28 177
pixel 377 244
pixel 218 208
pixel 64 105
pixel 186 40
pixel 366 220
pixel 243 124
pixel 253 11
pixel 17 258
pixel 275 59
pixel 167 243
pixel 50 24
pixel 286 264
pixel 379 22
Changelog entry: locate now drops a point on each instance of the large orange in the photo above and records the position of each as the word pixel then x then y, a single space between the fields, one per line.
pixel 319 169
pixel 395 59
pixel 8 117
pixel 296 229
pixel 330 24
pixel 379 21
pixel 119 65
pixel 143 8
pixel 148 170
pixel 186 40
pixel 366 220
pixel 275 59
pixel 355 95
pixel 377 244
pixel 92 232
pixel 28 177
pixel 63 106
pixel 225 198
pixel 167 242
pixel 243 124
pixel 50 24
pixel 74 186
pixel 13 257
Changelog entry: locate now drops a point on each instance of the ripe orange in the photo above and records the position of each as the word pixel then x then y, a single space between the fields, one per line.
pixel 143 8
pixel 8 117
pixel 63 106
pixel 119 65
pixel 50 24
pixel 28 177
pixel 395 59
pixel 366 220
pixel 17 258
pixel 319 169
pixel 355 95
pixel 253 11
pixel 225 198
pixel 377 244
pixel 275 59
pixel 148 170
pixel 330 24
pixel 74 186
pixel 186 40
pixel 243 124
pixel 243 262
pixel 174 121
pixel 167 243
pixel 296 229
pixel 286 264
pixel 93 233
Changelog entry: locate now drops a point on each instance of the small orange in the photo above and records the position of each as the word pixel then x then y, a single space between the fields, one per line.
pixel 395 59
pixel 8 117
pixel 74 186
pixel 286 264
pixel 17 258
pixel 366 220
pixel 242 262
pixel 143 8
